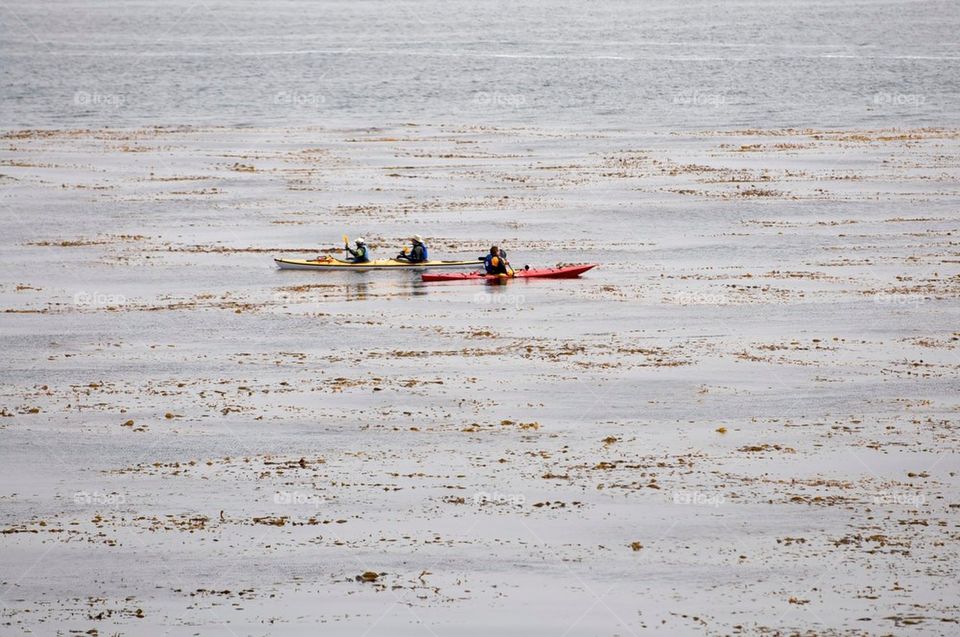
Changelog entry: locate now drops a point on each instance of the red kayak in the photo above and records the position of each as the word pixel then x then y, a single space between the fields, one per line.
pixel 565 272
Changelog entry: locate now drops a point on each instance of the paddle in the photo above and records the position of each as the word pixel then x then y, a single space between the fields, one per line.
pixel 506 266
pixel 346 243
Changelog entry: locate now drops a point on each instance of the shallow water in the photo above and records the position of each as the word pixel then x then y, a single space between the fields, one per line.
pixel 743 421
pixel 767 351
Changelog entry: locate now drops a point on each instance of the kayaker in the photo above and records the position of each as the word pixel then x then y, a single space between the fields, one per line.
pixel 496 261
pixel 359 255
pixel 417 253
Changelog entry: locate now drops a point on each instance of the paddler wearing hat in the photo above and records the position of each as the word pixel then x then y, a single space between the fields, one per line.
pixel 417 253
pixel 358 255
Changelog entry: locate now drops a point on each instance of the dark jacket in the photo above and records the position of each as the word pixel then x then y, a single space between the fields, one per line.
pixel 359 255
pixel 418 253
pixel 499 268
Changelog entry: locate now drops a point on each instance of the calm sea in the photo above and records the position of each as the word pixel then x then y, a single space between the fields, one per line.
pixel 579 65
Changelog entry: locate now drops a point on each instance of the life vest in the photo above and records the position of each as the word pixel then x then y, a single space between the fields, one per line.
pixel 500 267
pixel 360 254
pixel 418 253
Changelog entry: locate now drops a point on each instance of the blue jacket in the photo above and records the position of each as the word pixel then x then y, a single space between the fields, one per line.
pixel 500 268
pixel 418 253
pixel 359 255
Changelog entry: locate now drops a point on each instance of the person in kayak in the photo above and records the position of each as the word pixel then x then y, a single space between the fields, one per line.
pixel 359 255
pixel 417 252
pixel 496 262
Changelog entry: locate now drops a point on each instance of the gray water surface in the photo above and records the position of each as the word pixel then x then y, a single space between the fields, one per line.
pixel 658 64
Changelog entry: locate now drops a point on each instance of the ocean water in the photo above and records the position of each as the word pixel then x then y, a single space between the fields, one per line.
pixel 766 352
pixel 655 65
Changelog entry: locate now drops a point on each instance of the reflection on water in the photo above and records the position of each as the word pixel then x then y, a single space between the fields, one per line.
pixel 362 286
pixel 419 288
pixel 357 290
pixel 379 286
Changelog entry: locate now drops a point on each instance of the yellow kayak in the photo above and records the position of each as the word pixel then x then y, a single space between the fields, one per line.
pixel 330 263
